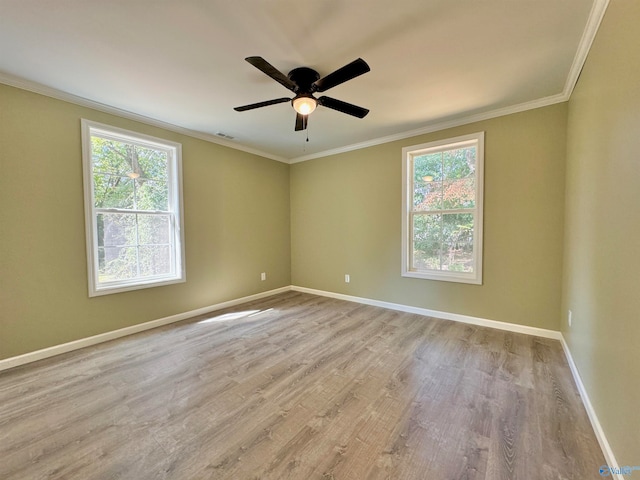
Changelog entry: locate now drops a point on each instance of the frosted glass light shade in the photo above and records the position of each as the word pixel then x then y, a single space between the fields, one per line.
pixel 304 105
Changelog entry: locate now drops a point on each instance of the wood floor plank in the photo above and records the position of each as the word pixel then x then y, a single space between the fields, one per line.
pixel 301 387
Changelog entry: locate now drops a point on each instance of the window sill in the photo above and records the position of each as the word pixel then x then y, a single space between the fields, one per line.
pixel 126 287
pixel 445 277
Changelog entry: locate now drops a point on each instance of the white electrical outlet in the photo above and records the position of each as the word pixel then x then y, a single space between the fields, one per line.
pixel 569 318
pixel 263 276
pixel 347 278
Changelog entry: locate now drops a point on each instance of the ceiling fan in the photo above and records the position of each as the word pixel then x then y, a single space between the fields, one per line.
pixel 304 82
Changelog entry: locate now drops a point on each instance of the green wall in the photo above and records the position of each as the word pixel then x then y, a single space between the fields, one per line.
pixel 346 218
pixel 561 226
pixel 236 225
pixel 602 246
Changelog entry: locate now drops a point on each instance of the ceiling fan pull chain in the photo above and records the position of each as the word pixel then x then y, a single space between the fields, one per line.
pixel 304 144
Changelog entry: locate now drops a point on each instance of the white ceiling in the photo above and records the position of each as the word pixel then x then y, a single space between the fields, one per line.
pixel 433 63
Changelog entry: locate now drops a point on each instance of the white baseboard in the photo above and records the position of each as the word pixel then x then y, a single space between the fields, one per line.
pixel 122 332
pixel 513 327
pixel 456 317
pixel 595 423
pixel 105 337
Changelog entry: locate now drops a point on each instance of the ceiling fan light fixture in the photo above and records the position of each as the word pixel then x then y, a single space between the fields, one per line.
pixel 304 105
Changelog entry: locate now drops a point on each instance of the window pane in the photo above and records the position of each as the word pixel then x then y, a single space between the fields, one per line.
pixel 155 260
pixel 427 182
pixel 152 195
pixel 153 163
pixel 429 165
pixel 116 229
pixel 427 241
pixel 427 195
pixel 111 191
pixel 459 193
pixel 458 163
pixel 154 229
pixel 110 156
pixel 117 263
pixel 457 242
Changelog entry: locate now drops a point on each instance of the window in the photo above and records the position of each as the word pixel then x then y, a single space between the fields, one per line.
pixel 133 212
pixel 442 209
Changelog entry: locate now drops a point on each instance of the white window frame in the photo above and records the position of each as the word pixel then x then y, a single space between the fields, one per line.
pixel 174 151
pixel 408 153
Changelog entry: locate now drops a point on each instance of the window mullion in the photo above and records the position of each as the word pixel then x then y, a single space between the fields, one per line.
pixel 411 241
pixel 441 239
pixel 132 211
pixel 444 212
pixel 137 247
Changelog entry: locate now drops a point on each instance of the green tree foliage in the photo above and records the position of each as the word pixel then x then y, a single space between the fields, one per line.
pixel 444 181
pixel 128 176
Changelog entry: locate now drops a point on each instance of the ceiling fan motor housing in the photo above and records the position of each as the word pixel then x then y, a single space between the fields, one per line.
pixel 303 77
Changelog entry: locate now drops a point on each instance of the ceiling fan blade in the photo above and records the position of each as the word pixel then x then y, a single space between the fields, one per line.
pixel 262 104
pixel 343 107
pixel 301 122
pixel 349 71
pixel 268 69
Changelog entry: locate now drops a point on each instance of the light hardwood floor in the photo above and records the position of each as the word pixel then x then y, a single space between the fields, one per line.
pixel 300 387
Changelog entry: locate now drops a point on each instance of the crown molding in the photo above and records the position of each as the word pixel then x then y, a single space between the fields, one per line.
pixel 38 88
pixel 435 127
pixel 596 15
pixel 41 89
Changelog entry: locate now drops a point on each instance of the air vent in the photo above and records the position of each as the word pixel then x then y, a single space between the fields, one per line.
pixel 224 135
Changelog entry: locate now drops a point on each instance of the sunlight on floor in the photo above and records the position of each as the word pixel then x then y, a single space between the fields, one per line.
pixel 227 317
